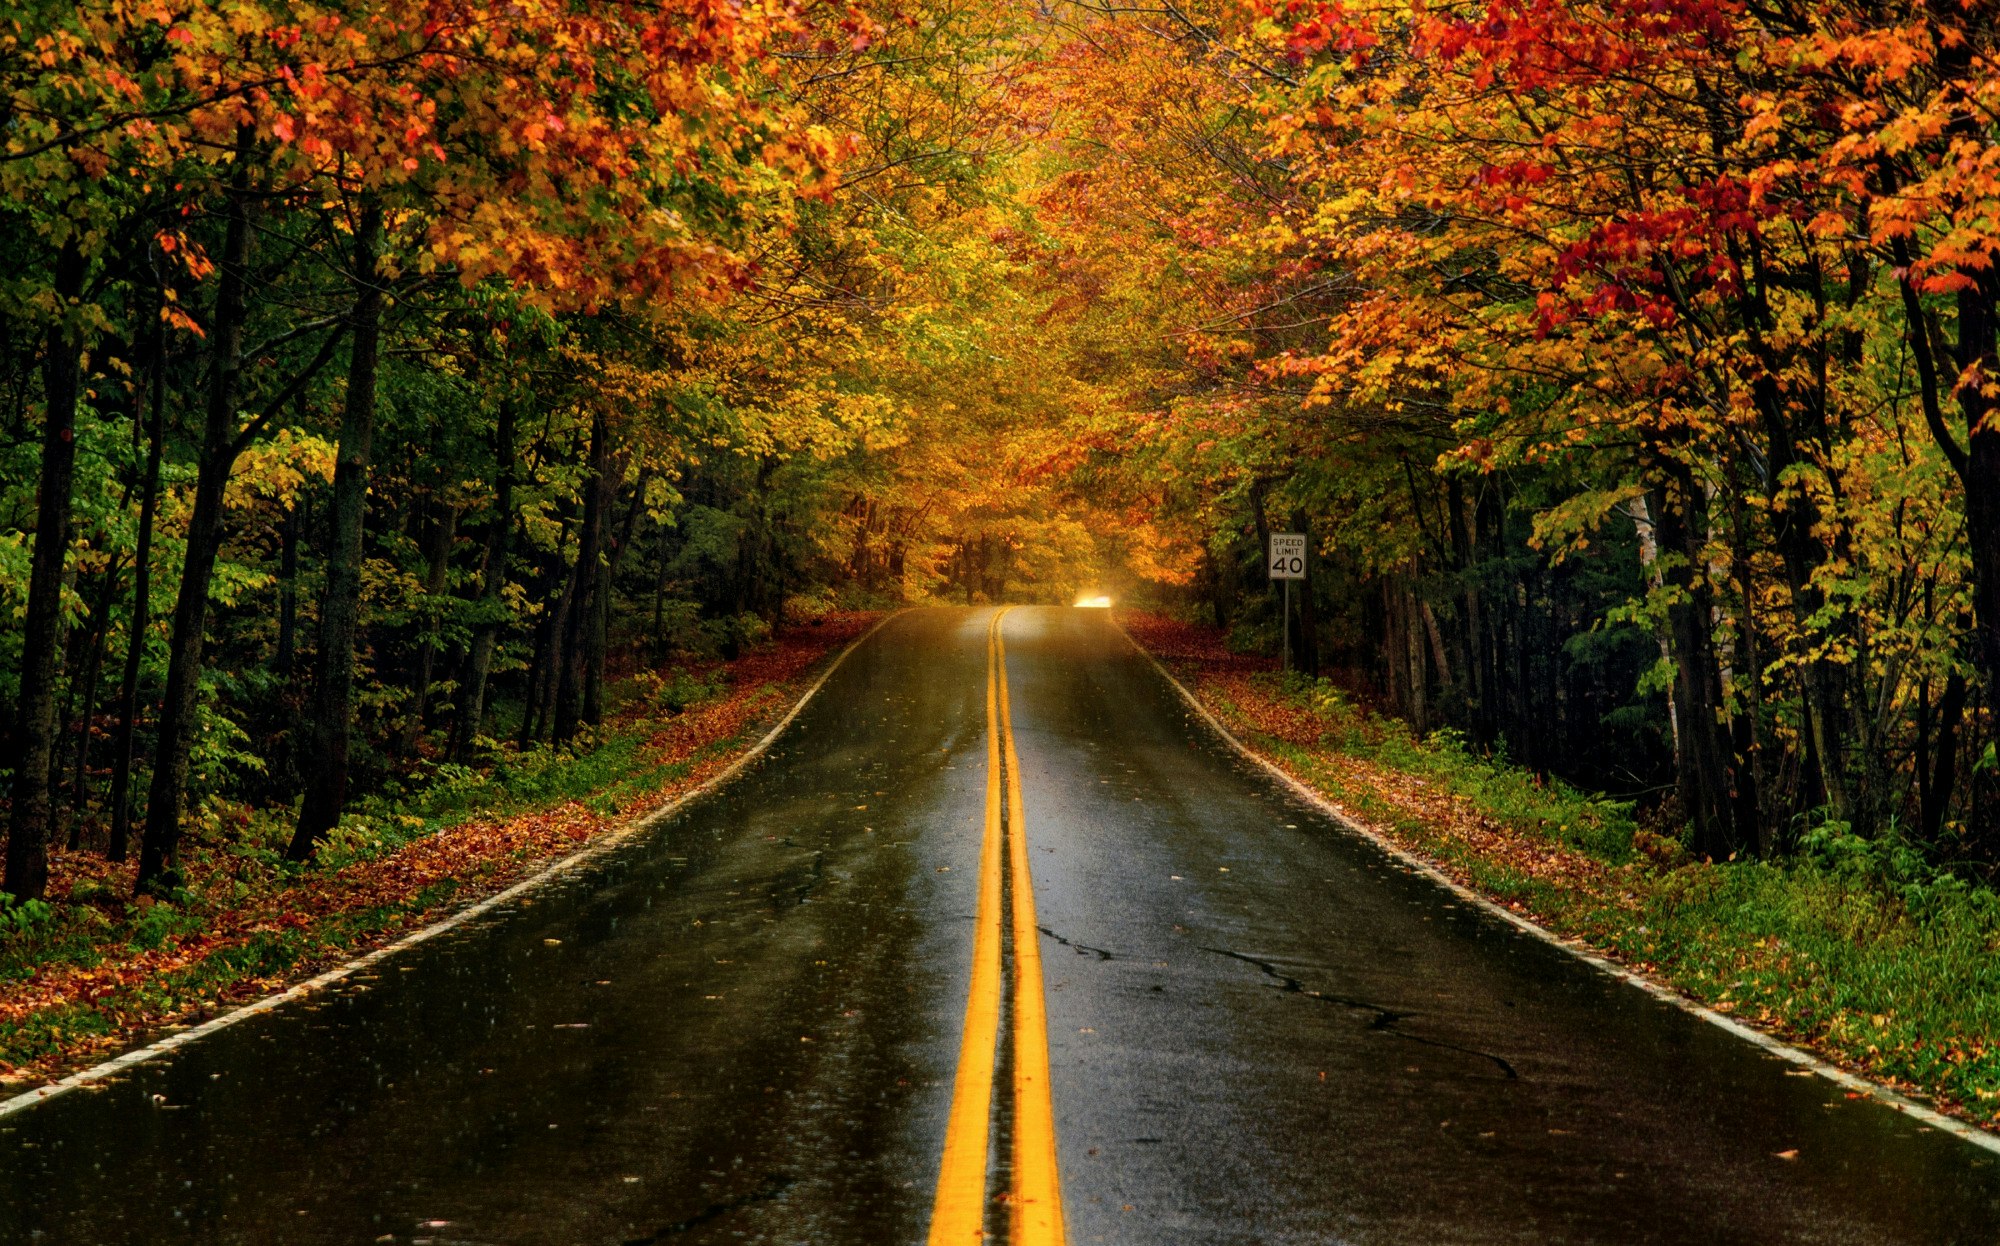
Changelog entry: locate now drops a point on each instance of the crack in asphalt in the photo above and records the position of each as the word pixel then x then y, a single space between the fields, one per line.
pixel 801 891
pixel 817 876
pixel 772 1191
pixel 1082 949
pixel 1386 1019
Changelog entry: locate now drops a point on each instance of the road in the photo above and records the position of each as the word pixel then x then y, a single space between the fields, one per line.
pixel 801 1009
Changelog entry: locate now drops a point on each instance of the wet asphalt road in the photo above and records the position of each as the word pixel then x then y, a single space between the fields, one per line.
pixel 743 1026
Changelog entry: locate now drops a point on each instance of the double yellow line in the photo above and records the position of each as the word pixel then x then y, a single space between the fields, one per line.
pixel 1034 1195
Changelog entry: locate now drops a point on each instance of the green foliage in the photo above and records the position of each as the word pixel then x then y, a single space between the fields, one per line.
pixel 671 693
pixel 151 925
pixel 20 918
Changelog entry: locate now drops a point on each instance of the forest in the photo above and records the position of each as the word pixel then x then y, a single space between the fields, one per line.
pixel 383 387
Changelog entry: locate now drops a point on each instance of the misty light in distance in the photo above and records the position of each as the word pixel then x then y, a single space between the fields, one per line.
pixel 1096 602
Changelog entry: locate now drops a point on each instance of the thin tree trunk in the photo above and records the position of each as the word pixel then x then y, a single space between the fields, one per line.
pixel 1981 475
pixel 1270 587
pixel 1943 773
pixel 597 650
pixel 600 624
pixel 86 709
pixel 27 872
pixel 1746 753
pixel 287 657
pixel 560 579
pixel 436 572
pixel 660 566
pixel 1419 676
pixel 1704 774
pixel 577 624
pixel 595 644
pixel 1795 518
pixel 556 654
pixel 493 582
pixel 1395 670
pixel 159 843
pixel 1466 634
pixel 142 608
pixel 531 700
pixel 1306 652
pixel 1440 656
pixel 333 683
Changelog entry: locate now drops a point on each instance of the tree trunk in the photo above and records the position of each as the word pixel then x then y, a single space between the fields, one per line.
pixel 1466 634
pixel 1978 326
pixel 555 655
pixel 1487 544
pixel 1938 774
pixel 614 553
pixel 531 700
pixel 662 563
pixel 142 614
pixel 1413 653
pixel 333 681
pixel 159 844
pixel 600 625
pixel 1794 519
pixel 1212 587
pixel 1305 653
pixel 577 625
pixel 596 641
pixel 85 709
pixel 1746 753
pixel 1260 576
pixel 437 570
pixel 1702 753
pixel 493 582
pixel 1395 671
pixel 560 580
pixel 27 872
pixel 287 657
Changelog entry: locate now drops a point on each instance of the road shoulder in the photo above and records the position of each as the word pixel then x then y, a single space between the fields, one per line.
pixel 1650 920
pixel 245 942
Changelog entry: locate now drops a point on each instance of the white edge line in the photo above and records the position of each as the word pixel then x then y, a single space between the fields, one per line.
pixel 1775 1046
pixel 118 1064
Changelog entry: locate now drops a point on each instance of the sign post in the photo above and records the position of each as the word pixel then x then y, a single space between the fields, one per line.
pixel 1288 563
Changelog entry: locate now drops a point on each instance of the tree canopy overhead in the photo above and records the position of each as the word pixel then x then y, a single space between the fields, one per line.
pixel 381 381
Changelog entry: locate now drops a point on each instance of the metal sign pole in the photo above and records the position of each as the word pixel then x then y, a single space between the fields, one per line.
pixel 1287 625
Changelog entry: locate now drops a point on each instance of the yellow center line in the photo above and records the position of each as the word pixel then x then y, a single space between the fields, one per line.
pixel 1037 1218
pixel 958 1216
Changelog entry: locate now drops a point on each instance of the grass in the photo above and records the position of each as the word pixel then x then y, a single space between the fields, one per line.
pixel 1852 948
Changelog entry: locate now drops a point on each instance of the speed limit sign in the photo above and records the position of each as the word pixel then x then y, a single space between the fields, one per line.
pixel 1288 555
